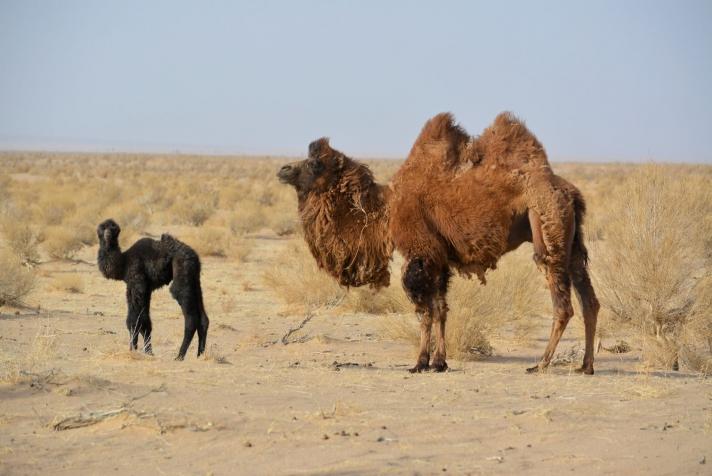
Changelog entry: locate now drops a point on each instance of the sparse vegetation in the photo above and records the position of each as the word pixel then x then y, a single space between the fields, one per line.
pixel 653 268
pixel 295 279
pixel 67 282
pixel 16 281
pixel 23 362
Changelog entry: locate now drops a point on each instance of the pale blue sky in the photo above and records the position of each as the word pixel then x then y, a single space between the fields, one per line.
pixel 603 80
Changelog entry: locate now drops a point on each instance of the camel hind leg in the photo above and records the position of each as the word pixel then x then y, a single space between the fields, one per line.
pixel 204 322
pixel 184 290
pixel 560 288
pixel 558 277
pixel 587 299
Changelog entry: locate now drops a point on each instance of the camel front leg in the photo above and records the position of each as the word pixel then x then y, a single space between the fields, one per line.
pixel 426 324
pixel 138 320
pixel 440 317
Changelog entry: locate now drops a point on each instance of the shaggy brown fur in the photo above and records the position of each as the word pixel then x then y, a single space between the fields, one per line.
pixel 343 216
pixel 456 203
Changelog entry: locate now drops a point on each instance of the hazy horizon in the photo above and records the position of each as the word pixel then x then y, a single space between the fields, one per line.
pixel 596 82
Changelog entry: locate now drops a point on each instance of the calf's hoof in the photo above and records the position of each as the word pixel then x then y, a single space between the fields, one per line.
pixel 179 358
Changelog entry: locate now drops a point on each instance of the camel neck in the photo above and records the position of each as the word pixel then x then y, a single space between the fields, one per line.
pixel 111 261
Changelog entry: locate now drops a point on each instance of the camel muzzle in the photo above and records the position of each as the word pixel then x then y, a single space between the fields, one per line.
pixel 286 174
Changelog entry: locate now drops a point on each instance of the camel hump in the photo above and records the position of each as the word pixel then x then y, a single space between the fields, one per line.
pixel 512 130
pixel 507 119
pixel 442 127
pixel 166 238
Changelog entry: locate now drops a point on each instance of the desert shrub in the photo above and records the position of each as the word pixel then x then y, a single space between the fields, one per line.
pixel 217 241
pixel 22 240
pixel 231 194
pixel 5 182
pixel 61 242
pixel 16 281
pixel 68 283
pixel 295 279
pixel 209 241
pixel 56 208
pixel 283 221
pixel 507 306
pixel 249 216
pixel 239 247
pixel 152 197
pixel 127 215
pixel 652 271
pixel 193 211
pixel 84 223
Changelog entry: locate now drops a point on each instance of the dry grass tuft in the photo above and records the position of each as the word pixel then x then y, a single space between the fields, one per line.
pixel 390 300
pixel 16 281
pixel 295 279
pixel 117 348
pixel 213 354
pixel 68 283
pixel 653 272
pixel 25 361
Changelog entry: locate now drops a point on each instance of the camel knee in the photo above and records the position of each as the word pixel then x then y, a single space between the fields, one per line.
pixel 595 306
pixel 418 282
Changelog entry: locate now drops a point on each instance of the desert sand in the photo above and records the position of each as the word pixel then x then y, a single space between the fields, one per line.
pixel 336 399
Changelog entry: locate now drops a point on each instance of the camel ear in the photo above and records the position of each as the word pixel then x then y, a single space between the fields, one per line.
pixel 320 148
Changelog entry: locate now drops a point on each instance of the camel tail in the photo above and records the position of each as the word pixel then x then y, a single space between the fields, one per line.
pixel 578 247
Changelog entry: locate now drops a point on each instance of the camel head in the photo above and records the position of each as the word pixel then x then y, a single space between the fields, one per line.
pixel 315 173
pixel 108 232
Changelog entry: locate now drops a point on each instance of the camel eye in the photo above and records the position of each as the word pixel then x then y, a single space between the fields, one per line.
pixel 315 166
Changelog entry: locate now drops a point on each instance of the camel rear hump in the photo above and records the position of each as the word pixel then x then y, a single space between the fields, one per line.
pixel 508 142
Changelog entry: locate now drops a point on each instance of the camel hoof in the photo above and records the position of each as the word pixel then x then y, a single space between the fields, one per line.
pixel 439 366
pixel 533 370
pixel 179 358
pixel 586 370
pixel 419 368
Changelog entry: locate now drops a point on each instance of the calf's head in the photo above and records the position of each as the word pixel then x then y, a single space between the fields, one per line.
pixel 108 232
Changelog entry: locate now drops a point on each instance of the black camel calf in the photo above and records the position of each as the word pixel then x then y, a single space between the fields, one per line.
pixel 149 265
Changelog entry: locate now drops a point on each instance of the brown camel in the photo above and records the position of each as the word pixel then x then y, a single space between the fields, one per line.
pixel 456 203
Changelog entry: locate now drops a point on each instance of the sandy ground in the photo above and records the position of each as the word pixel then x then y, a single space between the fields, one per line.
pixel 338 401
